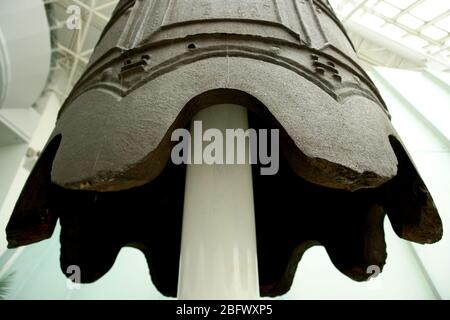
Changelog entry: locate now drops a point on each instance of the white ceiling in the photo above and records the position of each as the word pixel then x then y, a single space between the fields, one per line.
pixel 25 54
pixel 392 33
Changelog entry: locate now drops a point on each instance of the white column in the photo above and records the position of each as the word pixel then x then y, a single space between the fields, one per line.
pixel 218 252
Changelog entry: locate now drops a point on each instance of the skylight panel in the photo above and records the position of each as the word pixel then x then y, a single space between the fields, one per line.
pixel 430 9
pixel 422 25
pixel 402 4
pixel 434 33
pixel 371 3
pixel 410 21
pixel 371 21
pixel 347 9
pixel 444 24
pixel 393 31
pixel 386 9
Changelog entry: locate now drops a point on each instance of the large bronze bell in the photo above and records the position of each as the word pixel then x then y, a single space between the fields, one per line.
pixel 106 171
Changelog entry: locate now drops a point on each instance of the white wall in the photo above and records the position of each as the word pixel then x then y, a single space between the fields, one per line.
pixel 402 277
pixel 420 106
pixel 37 275
pixel 10 158
pixel 12 163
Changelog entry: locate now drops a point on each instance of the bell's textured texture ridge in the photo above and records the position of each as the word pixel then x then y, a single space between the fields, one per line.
pixel 106 172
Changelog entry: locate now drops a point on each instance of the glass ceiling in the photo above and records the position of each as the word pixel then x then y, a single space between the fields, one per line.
pixel 422 25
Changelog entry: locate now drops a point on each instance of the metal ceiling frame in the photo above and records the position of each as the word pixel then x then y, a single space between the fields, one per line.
pixel 362 6
pixel 79 58
pixel 74 57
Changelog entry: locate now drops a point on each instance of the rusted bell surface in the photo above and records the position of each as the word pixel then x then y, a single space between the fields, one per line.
pixel 106 171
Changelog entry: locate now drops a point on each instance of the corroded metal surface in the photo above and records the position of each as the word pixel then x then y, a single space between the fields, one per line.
pixel 106 171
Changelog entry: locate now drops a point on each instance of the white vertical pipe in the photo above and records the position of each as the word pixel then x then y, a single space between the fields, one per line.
pixel 218 252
